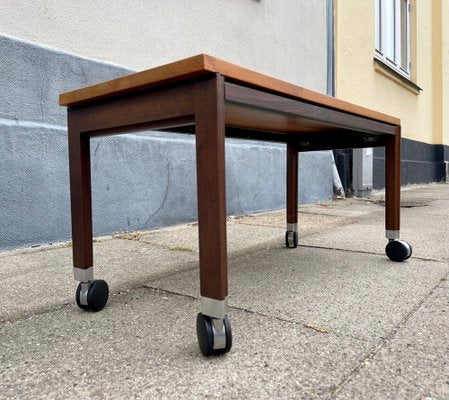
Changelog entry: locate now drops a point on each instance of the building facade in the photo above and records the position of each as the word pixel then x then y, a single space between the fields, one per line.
pixel 393 56
pixel 146 180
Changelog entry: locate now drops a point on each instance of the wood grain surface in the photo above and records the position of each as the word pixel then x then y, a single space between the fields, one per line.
pixel 203 64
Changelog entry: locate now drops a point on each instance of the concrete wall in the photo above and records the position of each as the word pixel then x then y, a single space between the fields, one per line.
pixel 284 38
pixel 140 181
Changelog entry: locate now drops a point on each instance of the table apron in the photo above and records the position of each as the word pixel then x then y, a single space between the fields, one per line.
pixel 257 100
pixel 168 108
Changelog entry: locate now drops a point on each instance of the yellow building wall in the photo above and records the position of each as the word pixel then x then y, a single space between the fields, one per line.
pixel 445 34
pixel 361 80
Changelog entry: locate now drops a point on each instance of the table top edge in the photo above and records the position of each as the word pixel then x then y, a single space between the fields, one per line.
pixel 203 64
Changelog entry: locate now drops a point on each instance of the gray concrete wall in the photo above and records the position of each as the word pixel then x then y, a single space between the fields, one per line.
pixel 140 181
pixel 283 38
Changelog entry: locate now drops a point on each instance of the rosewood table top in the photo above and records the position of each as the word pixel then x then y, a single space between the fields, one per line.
pixel 203 64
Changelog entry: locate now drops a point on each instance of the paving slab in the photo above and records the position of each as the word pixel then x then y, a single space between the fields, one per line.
pixel 34 281
pixel 239 236
pixel 311 222
pixel 425 228
pixel 414 364
pixel 245 233
pixel 143 345
pixel 337 321
pixel 432 191
pixel 351 207
pixel 361 295
pixel 125 260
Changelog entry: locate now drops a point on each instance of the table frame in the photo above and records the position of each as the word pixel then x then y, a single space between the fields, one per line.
pixel 217 107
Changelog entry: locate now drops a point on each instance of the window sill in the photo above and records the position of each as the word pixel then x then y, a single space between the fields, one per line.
pixel 395 76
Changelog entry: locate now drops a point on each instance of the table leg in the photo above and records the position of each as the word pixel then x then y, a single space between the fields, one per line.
pixel 213 328
pixel 397 250
pixel 393 185
pixel 291 234
pixel 91 294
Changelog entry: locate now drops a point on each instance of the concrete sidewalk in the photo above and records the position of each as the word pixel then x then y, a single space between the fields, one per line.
pixel 332 319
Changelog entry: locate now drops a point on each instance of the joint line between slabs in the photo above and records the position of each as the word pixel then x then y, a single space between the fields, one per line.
pixel 248 311
pixel 364 252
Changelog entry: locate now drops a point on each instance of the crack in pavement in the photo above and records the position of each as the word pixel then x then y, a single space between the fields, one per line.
pixel 384 341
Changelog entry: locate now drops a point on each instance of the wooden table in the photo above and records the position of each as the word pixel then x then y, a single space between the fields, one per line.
pixel 212 99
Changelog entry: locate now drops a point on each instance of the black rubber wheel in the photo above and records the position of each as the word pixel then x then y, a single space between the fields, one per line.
pixel 295 240
pixel 398 250
pixel 205 335
pixel 97 295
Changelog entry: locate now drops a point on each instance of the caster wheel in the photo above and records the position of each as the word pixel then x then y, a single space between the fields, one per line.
pixel 398 250
pixel 208 336
pixel 94 293
pixel 291 239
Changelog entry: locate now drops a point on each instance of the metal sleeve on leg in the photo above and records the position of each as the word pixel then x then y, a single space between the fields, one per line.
pixel 392 234
pixel 292 227
pixel 83 275
pixel 214 308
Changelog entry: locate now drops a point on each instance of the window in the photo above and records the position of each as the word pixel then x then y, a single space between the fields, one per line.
pixel 393 34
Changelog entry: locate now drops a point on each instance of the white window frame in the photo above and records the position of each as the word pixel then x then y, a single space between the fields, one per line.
pixel 380 18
